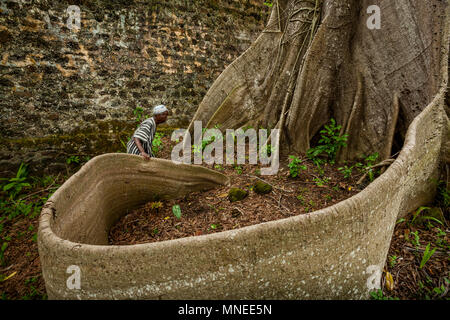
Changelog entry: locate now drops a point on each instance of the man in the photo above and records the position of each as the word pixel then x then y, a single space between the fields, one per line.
pixel 141 141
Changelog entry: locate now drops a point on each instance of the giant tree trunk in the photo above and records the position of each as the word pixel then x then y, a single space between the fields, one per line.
pixel 318 60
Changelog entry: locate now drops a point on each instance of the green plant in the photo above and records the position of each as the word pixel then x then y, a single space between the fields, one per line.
pixel 73 159
pixel 346 171
pixel 301 198
pixel 238 169
pixel 416 240
pixel 14 208
pixel 33 293
pixel 329 143
pixel 295 166
pixel 268 3
pixel 379 295
pixel 433 215
pixel 176 211
pixel 440 291
pixel 426 256
pixel 319 169
pixel 124 145
pixel 215 226
pixel 440 238
pixel 157 143
pixel 321 182
pixel 393 261
pixel 369 162
pixel 15 185
pixel 218 167
pixel 138 112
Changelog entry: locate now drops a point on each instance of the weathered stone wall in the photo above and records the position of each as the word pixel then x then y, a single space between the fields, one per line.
pixel 72 92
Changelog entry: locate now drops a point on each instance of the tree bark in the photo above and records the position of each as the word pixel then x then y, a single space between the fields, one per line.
pixel 318 60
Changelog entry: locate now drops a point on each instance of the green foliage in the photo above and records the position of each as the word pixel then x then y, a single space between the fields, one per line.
pixel 321 182
pixel 426 256
pixel 176 211
pixel 215 226
pixel 329 143
pixel 218 167
pixel 33 292
pixel 15 185
pixel 433 215
pixel 268 3
pixel 204 143
pixel 301 198
pixel 295 166
pixel 379 295
pixel 346 171
pixel 157 143
pixel 416 240
pixel 238 169
pixel 370 161
pixel 138 112
pixel 73 159
pixel 14 208
pixel 124 145
pixel 440 239
pixel 393 261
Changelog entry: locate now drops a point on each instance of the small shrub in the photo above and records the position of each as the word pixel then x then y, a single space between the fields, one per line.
pixel 329 144
pixel 176 211
pixel 73 159
pixel 426 256
pixel 157 143
pixel 295 166
pixel 15 185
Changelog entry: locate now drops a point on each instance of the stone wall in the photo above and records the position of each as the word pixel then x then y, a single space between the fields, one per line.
pixel 73 91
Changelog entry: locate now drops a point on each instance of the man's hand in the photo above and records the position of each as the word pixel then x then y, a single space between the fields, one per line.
pixel 145 156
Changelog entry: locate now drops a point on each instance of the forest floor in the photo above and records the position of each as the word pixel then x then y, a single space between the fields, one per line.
pixel 406 275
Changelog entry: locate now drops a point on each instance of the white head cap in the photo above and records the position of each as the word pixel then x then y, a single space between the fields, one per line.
pixel 159 109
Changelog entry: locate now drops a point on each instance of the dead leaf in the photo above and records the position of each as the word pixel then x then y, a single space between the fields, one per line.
pixel 389 281
pixel 10 276
pixel 223 195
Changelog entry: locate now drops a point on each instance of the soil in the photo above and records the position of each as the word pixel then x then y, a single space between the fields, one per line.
pixel 212 211
pixel 405 256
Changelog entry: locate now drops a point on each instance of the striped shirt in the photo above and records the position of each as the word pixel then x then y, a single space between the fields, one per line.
pixel 145 132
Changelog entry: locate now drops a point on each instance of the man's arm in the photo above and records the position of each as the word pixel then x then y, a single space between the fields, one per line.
pixel 141 148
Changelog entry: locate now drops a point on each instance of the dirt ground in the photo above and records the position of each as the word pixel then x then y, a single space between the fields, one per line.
pixel 212 211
